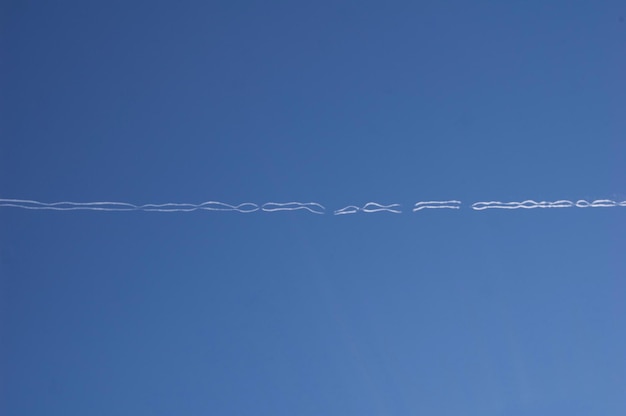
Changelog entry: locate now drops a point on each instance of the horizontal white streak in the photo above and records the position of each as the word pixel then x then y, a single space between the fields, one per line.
pixel 313 207
pixel 452 204
pixel 531 204
pixel 370 207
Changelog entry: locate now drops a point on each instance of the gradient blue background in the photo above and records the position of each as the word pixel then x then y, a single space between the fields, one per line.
pixel 339 102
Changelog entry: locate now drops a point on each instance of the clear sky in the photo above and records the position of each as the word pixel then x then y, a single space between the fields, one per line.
pixel 438 312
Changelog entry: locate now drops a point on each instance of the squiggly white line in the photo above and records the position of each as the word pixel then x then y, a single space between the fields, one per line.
pixel 369 208
pixel 376 207
pixel 350 209
pixel 531 204
pixel 68 205
pixel 246 207
pixel 313 207
pixel 452 204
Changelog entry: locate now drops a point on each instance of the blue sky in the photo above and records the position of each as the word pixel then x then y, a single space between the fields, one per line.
pixel 440 312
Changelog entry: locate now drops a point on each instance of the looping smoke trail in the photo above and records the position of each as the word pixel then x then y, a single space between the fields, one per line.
pixel 125 206
pixel 437 205
pixel 530 204
pixel 561 204
pixel 245 208
pixel 601 203
pixel 350 209
pixel 313 207
pixel 376 207
pixel 68 205
pixel 369 208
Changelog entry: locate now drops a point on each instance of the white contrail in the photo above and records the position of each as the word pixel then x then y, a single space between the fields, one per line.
pixel 369 208
pixel 68 205
pixel 531 204
pixel 350 209
pixel 376 207
pixel 245 208
pixel 313 207
pixel 125 206
pixel 453 204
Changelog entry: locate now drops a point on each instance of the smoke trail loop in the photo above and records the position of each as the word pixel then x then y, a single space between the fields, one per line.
pixel 67 205
pixel 312 207
pixel 452 204
pixel 604 203
pixel 369 208
pixel 245 207
pixel 125 206
pixel 376 207
pixel 563 203
pixel 350 209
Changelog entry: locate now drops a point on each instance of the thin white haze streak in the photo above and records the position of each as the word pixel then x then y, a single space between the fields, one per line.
pixel 350 209
pixel 246 207
pixel 313 207
pixel 370 207
pixel 563 203
pixel 67 205
pixel 437 205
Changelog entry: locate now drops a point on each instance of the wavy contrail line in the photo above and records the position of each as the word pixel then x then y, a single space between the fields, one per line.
pixel 369 208
pixel 68 205
pixel 376 207
pixel 350 209
pixel 452 204
pixel 313 207
pixel 245 207
pixel 531 204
